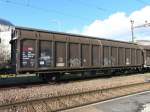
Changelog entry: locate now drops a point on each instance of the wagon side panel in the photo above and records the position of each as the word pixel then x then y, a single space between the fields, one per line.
pixel 85 54
pixel 127 57
pixel 133 57
pixel 114 56
pixel 28 48
pixel 45 59
pixel 121 56
pixel 106 56
pixel 74 55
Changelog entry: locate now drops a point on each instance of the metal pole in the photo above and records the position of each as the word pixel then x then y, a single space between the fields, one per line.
pixel 139 26
pixel 132 30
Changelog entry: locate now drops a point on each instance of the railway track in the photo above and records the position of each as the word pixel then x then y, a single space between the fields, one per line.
pixel 18 82
pixel 28 82
pixel 7 84
pixel 63 102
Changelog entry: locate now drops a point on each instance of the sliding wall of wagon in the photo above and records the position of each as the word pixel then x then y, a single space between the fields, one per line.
pixel 28 53
pixel 45 54
pixel 146 54
pixel 96 55
pixel 133 57
pixel 147 61
pixel 121 54
pixel 74 55
pixel 114 56
pixel 127 56
pixel 139 59
pixel 49 51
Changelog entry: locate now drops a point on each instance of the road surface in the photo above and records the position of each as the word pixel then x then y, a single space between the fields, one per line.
pixel 131 103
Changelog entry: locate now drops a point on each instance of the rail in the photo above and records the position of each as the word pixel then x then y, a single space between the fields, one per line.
pixel 80 94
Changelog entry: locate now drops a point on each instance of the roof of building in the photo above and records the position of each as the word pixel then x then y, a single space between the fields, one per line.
pixel 5 22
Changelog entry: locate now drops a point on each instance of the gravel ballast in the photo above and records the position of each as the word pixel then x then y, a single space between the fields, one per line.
pixel 31 93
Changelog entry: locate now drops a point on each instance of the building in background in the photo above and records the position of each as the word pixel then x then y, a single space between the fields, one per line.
pixel 6 29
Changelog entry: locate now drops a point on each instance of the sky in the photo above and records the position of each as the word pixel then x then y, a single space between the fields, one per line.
pixel 99 18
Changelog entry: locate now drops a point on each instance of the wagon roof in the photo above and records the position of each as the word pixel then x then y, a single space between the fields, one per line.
pixel 71 34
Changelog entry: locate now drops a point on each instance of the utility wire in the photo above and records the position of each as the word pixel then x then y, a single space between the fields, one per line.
pixel 28 4
pixel 92 5
pixel 143 2
pixel 89 5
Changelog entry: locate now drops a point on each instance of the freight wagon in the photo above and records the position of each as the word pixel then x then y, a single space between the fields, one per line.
pixel 52 54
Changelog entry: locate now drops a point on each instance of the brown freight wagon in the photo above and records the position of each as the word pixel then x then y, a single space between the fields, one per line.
pixel 54 53
pixel 145 45
pixel 146 55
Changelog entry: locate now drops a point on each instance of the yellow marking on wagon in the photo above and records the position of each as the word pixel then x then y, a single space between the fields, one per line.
pixel 7 75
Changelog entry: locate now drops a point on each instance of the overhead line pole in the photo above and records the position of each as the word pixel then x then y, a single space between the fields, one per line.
pixel 139 26
pixel 132 30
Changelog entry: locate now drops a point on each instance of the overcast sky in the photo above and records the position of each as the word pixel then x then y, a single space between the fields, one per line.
pixel 100 18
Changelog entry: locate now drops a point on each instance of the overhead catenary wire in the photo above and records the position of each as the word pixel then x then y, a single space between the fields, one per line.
pixel 143 2
pixel 89 5
pixel 29 5
pixel 28 2
pixel 94 6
